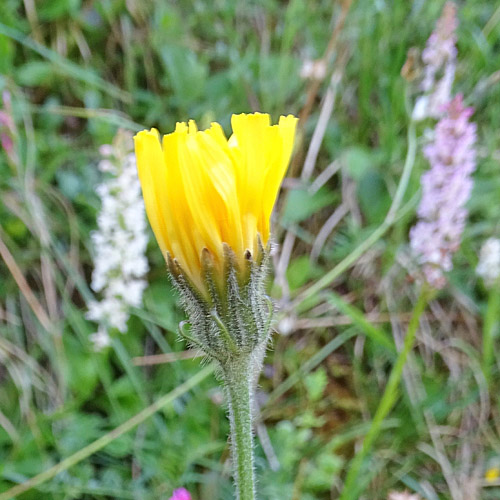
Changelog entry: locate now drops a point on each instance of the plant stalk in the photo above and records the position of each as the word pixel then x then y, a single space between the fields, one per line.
pixel 491 329
pixel 239 383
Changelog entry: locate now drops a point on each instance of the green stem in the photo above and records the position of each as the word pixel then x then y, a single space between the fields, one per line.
pixel 405 176
pixel 239 384
pixel 351 486
pixel 491 329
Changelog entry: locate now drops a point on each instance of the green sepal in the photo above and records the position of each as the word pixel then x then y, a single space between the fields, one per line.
pixel 232 316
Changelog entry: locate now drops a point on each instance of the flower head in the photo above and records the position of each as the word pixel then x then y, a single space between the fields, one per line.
pixel 202 190
pixel 209 200
pixel 439 60
pixel 492 474
pixel 446 188
pixel 402 495
pixel 180 494
pixel 119 242
pixel 489 262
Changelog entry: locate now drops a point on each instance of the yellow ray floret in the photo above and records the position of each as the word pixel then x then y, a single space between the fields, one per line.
pixel 202 190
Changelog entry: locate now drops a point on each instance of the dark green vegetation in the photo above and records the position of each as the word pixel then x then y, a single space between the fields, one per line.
pixel 76 70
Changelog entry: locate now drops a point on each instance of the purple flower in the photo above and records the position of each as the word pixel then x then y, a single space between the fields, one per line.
pixel 446 188
pixel 439 59
pixel 180 494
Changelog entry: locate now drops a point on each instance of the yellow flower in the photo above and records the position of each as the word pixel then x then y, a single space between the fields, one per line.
pixel 492 474
pixel 202 190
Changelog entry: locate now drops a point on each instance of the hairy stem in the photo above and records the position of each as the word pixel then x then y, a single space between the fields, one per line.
pixel 239 385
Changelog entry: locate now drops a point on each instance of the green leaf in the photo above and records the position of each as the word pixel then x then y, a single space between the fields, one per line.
pixel 35 73
pixel 82 377
pixel 315 383
pixel 57 9
pixel 374 198
pixel 185 73
pixel 77 431
pixel 301 204
pixel 300 271
pixel 320 473
pixel 7 54
pixel 358 318
pixel 358 162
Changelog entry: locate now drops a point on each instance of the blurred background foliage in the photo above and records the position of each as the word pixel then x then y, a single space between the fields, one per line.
pixel 78 70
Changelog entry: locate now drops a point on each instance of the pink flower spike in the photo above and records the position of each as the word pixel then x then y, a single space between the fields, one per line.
pixel 446 189
pixel 439 58
pixel 180 494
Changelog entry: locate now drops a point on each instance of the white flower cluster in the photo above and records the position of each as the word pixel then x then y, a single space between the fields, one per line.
pixel 489 262
pixel 119 242
pixel 313 70
pixel 402 495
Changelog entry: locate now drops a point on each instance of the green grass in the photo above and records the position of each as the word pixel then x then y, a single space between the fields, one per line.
pixel 76 71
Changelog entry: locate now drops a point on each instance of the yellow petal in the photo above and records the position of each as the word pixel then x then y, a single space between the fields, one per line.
pixel 180 225
pixel 203 190
pixel 202 200
pixel 152 174
pixel 251 145
pixel 276 172
pixel 220 176
pixel 261 153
